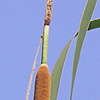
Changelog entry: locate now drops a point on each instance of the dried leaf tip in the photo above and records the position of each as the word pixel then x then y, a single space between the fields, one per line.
pixel 48 15
pixel 42 36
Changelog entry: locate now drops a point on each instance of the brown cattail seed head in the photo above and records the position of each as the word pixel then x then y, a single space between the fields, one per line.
pixel 48 12
pixel 42 83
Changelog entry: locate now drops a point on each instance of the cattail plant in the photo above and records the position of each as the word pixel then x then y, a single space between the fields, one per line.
pixel 46 85
pixel 42 82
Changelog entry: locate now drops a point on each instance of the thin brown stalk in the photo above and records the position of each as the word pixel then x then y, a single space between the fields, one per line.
pixel 32 71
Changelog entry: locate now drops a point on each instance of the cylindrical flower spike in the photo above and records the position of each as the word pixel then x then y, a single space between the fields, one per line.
pixel 42 83
pixel 48 14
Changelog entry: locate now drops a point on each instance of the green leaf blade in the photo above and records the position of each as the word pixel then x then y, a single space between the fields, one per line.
pixel 81 35
pixel 93 25
pixel 56 74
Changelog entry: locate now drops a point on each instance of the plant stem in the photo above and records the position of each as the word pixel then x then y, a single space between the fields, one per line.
pixel 45 44
pixel 32 71
pixel 48 15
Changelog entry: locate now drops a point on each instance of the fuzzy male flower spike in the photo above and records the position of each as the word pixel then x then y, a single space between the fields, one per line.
pixel 48 14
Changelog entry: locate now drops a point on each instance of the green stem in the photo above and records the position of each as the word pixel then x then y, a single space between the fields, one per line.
pixel 45 44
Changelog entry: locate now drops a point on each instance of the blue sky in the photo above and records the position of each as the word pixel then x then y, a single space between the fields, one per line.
pixel 20 30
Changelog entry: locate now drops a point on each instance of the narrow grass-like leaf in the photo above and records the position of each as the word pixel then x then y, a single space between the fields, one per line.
pixel 55 77
pixel 94 24
pixel 81 35
pixel 56 74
